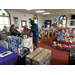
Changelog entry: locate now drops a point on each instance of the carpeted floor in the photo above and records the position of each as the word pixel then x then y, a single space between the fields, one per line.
pixel 58 57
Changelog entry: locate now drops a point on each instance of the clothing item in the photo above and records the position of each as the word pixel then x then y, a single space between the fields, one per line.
pixel 51 27
pixel 36 32
pixel 25 29
pixel 35 39
pixel 12 33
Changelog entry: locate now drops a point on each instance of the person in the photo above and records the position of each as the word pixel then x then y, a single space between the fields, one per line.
pixel 35 31
pixel 51 27
pixel 13 31
pixel 25 28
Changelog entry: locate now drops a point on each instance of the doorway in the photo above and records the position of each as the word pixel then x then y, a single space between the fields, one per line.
pixel 48 23
pixel 23 23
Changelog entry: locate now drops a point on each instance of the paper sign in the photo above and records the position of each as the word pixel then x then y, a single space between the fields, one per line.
pixel 25 36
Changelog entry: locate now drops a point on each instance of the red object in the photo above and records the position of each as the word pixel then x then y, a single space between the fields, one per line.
pixel 25 29
pixel 64 42
pixel 39 37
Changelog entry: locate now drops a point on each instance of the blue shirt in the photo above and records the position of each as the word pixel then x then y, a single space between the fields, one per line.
pixel 36 32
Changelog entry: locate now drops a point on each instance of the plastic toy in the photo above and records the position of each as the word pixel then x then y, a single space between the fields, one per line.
pixel 61 36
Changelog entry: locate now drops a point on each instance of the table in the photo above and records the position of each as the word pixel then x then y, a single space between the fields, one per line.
pixel 4 35
pixel 12 59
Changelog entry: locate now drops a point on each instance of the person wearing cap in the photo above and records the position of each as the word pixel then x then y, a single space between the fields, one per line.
pixel 35 31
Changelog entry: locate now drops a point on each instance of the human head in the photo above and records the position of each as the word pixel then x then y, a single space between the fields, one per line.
pixel 12 26
pixel 32 22
pixel 26 26
pixel 52 24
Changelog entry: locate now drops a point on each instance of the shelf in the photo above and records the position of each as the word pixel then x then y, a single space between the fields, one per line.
pixel 64 42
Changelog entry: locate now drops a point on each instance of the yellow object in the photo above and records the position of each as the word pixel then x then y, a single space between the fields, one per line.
pixel 64 17
pixel 54 42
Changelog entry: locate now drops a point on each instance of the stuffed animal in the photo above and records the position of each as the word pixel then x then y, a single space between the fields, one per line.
pixel 73 33
pixel 61 36
pixel 70 40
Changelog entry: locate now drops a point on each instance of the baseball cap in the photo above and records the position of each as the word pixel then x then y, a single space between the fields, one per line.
pixel 31 21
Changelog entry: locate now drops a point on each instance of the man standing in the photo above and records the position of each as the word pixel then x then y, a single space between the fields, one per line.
pixel 35 31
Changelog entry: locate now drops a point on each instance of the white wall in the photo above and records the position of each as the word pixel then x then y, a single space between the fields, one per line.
pixel 57 17
pixel 21 16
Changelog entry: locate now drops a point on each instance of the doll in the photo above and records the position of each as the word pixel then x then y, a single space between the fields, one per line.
pixel 70 40
pixel 69 47
pixel 61 36
pixel 74 39
pixel 64 47
pixel 73 33
pixel 54 44
pixel 63 31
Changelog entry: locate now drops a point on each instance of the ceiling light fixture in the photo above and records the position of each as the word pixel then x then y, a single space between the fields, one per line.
pixel 45 13
pixel 29 9
pixel 40 11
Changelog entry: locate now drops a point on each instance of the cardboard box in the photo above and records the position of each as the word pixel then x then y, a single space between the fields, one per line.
pixel 28 42
pixel 32 55
pixel 42 58
pixel 31 48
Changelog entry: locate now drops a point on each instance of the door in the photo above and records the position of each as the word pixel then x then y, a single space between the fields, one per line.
pixel 48 23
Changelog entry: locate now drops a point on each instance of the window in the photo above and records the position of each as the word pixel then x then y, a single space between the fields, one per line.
pixel 4 19
pixel 23 23
pixel 63 20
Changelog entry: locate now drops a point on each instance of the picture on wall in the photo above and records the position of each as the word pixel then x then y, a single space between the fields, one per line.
pixel 16 21
pixel 72 23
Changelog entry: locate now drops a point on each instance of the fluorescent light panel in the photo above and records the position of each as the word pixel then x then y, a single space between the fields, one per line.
pixel 45 13
pixel 29 9
pixel 40 11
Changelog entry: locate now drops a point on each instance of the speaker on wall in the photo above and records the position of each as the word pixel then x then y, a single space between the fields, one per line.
pixel 72 16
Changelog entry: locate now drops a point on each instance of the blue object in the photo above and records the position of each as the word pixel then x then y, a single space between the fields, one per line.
pixel 22 51
pixel 36 32
pixel 63 16
pixel 46 25
pixel 46 32
pixel 61 36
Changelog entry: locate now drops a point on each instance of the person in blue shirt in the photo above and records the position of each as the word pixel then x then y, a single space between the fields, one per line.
pixel 35 31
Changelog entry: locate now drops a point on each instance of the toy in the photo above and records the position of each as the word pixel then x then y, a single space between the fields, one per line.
pixel 61 36
pixel 54 44
pixel 63 31
pixel 73 33
pixel 58 38
pixel 69 47
pixel 64 47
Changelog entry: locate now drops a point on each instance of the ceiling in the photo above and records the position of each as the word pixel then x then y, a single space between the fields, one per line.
pixel 52 11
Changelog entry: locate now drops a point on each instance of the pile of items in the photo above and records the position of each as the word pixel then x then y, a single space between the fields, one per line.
pixel 19 45
pixel 40 56
pixel 64 39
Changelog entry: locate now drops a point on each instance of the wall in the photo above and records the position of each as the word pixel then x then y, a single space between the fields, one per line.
pixel 21 16
pixel 57 17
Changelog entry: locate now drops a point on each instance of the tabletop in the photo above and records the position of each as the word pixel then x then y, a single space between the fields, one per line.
pixel 12 59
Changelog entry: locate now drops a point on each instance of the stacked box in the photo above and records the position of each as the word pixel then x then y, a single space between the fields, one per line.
pixel 15 44
pixel 28 42
pixel 32 55
pixel 43 58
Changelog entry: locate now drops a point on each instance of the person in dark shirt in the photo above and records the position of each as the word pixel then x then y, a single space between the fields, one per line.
pixel 35 31
pixel 13 31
